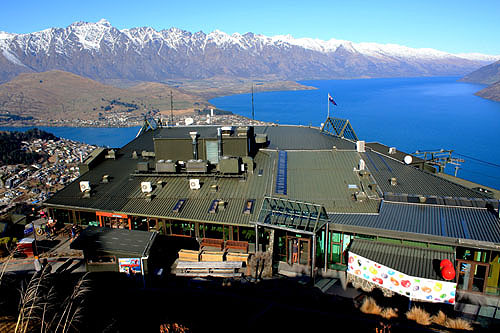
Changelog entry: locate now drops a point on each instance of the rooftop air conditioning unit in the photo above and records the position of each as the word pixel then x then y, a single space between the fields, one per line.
pixel 392 150
pixel 194 184
pixel 146 187
pixel 360 146
pixel 84 186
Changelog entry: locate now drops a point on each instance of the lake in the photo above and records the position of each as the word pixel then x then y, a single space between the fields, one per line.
pixel 408 113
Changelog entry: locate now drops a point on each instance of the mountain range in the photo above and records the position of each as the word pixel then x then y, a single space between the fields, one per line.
pixel 101 52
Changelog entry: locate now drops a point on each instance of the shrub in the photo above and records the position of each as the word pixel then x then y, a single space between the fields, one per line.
pixel 389 313
pixel 370 306
pixel 439 319
pixel 419 315
pixel 458 323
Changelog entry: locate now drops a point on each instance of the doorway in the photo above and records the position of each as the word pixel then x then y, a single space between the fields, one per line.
pixel 298 250
pixel 472 276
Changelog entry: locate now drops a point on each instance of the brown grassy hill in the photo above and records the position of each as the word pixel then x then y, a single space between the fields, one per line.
pixel 61 95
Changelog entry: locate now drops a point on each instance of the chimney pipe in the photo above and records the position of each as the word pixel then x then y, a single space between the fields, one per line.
pixel 194 135
pixel 219 141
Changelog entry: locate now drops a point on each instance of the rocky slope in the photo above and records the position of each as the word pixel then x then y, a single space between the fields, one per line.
pixel 489 74
pixel 101 52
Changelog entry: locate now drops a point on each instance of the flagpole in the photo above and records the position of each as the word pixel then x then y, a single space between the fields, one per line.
pixel 328 102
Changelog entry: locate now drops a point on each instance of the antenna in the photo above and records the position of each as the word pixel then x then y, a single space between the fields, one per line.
pixel 440 158
pixel 253 113
pixel 171 108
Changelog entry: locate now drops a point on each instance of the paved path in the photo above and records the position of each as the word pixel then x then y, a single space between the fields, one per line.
pixel 56 250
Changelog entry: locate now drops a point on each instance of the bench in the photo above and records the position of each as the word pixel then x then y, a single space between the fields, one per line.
pixel 212 242
pixel 235 256
pixel 189 255
pixel 212 255
pixel 236 245
pixel 209 268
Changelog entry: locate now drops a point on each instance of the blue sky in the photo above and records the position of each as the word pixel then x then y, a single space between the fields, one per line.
pixel 453 26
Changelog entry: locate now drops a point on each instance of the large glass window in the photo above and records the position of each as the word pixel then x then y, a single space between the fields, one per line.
pixel 179 228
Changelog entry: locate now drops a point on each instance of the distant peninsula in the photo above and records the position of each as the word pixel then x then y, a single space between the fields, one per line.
pixel 489 75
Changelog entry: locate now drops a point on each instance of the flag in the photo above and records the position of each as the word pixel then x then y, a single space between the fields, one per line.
pixel 330 99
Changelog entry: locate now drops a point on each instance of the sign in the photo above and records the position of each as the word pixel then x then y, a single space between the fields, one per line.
pixel 130 266
pixel 414 287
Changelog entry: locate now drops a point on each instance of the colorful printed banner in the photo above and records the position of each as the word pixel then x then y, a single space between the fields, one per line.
pixel 406 285
pixel 130 266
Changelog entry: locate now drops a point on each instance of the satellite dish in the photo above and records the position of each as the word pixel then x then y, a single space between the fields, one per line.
pixel 84 186
pixel 146 187
pixel 194 184
pixel 408 159
pixel 188 121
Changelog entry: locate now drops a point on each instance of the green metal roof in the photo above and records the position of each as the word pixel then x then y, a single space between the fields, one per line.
pixel 315 173
pixel 130 242
pixel 323 177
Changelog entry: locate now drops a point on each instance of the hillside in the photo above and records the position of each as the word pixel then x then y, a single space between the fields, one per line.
pixel 11 143
pixel 61 96
pixel 492 92
pixel 101 52
pixel 489 74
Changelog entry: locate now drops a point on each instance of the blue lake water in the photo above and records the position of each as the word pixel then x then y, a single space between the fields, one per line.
pixel 408 113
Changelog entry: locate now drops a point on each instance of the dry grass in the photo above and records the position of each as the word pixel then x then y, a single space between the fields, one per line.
pixel 370 307
pixel 458 323
pixel 439 319
pixel 442 320
pixel 419 315
pixel 43 309
pixel 389 313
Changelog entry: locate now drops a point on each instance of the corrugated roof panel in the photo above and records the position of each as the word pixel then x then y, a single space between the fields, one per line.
pixel 481 224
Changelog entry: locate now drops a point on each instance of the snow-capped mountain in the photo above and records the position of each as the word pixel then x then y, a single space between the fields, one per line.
pixel 100 51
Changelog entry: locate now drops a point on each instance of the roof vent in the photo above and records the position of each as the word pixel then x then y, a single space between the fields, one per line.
pixel 392 150
pixel 394 181
pixel 110 155
pixel 362 165
pixel 261 138
pixel 226 130
pixel 242 131
pixel 105 179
